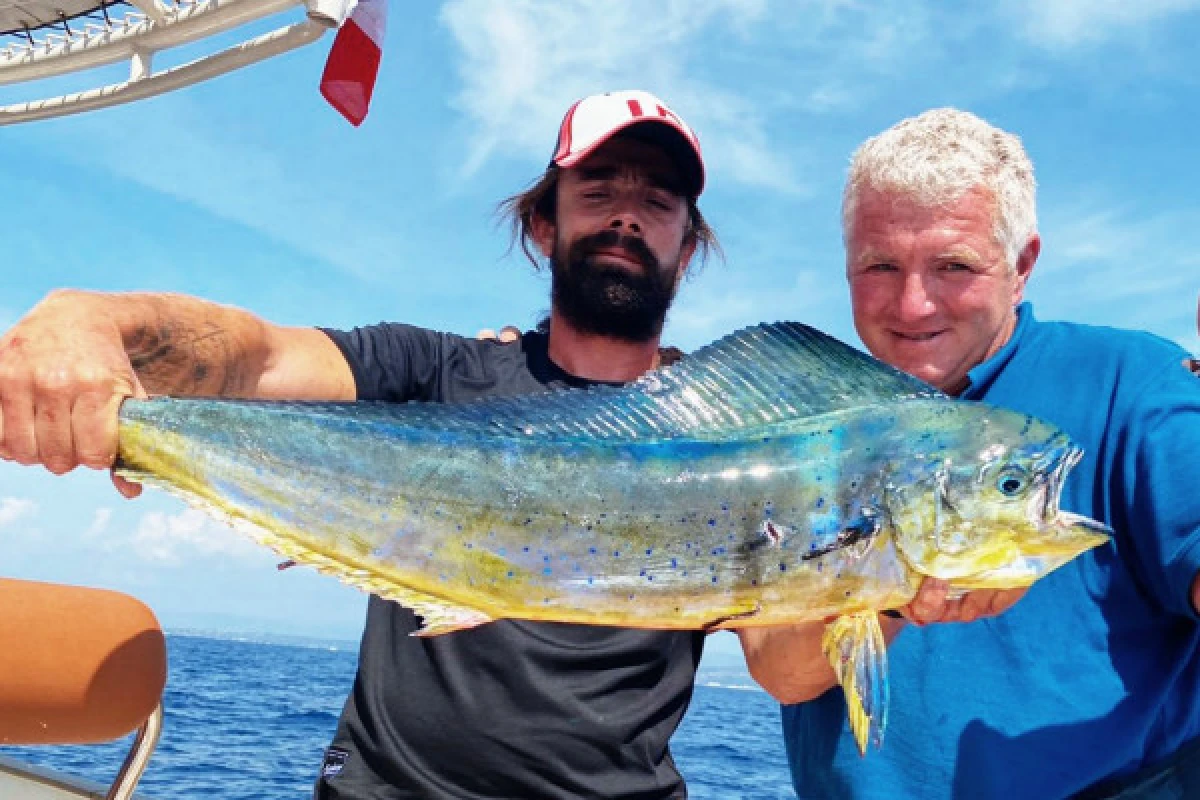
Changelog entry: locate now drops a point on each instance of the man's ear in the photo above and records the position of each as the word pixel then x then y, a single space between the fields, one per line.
pixel 685 257
pixel 1025 261
pixel 544 232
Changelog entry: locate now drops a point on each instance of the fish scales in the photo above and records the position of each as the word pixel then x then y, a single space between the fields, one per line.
pixel 635 523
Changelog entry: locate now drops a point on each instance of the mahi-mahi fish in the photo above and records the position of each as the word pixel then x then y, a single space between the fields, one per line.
pixel 773 477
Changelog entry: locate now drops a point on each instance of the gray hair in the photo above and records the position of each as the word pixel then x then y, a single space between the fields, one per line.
pixel 937 157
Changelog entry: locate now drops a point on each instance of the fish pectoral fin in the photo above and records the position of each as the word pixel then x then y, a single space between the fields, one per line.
pixel 857 652
pixel 856 533
pixel 729 620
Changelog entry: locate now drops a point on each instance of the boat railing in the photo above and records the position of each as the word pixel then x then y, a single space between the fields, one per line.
pixel 138 758
pixel 45 43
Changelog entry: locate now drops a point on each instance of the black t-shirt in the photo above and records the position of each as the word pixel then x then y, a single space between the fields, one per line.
pixel 510 709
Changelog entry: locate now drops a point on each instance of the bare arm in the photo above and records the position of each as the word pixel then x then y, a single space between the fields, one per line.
pixel 185 346
pixel 789 663
pixel 68 364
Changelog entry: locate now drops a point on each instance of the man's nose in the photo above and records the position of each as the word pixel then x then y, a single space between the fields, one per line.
pixel 915 298
pixel 624 215
pixel 625 221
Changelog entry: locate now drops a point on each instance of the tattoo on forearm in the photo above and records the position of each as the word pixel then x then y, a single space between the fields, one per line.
pixel 187 353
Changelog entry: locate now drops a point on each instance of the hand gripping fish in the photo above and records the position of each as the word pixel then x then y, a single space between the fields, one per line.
pixel 773 477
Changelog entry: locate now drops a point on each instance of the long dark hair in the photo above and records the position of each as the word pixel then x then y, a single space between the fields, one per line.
pixel 541 199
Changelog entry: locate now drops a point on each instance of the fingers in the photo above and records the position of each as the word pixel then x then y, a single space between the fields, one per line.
pixel 94 427
pixel 930 603
pixel 127 488
pixel 19 442
pixel 52 427
pixel 63 375
pixel 507 335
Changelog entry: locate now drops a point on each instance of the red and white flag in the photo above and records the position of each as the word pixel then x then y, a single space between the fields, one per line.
pixel 349 77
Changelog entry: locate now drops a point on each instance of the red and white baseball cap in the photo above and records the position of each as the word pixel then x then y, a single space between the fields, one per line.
pixel 594 120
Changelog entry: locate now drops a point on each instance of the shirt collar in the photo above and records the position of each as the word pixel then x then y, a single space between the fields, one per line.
pixel 982 376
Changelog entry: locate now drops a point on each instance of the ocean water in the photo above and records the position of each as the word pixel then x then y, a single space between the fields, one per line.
pixel 249 720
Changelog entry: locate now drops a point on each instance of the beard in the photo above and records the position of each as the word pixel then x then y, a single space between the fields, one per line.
pixel 611 301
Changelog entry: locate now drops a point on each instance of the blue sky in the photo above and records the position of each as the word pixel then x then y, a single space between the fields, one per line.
pixel 249 190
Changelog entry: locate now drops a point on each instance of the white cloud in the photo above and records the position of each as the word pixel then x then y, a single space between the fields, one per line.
pixel 1116 265
pixel 101 520
pixel 1062 24
pixel 726 303
pixel 15 508
pixel 523 63
pixel 172 539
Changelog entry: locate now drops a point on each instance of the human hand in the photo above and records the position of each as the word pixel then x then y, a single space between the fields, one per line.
pixel 933 603
pixel 63 375
pixel 508 334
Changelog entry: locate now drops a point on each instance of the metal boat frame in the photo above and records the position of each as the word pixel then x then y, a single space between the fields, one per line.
pixel 47 43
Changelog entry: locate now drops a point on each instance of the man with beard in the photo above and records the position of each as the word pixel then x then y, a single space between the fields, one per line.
pixel 506 710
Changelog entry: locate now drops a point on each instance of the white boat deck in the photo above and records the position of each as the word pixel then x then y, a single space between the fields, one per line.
pixel 20 781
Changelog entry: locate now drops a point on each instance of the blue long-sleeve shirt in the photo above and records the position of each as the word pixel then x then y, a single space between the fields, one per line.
pixel 1095 673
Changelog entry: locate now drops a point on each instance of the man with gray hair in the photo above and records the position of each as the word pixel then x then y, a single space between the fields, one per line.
pixel 1090 685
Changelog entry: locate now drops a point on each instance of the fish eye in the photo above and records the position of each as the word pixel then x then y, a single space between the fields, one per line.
pixel 1011 481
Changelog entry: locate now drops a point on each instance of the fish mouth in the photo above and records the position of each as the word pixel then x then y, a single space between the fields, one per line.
pixel 1076 528
pixel 1064 538
pixel 1064 534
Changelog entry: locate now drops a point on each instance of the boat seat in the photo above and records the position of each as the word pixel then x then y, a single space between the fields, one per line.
pixel 77 665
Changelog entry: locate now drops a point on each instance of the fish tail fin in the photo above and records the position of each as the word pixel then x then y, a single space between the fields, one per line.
pixel 857 652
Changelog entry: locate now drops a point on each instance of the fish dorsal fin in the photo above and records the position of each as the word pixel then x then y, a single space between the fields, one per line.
pixel 759 376
pixel 755 378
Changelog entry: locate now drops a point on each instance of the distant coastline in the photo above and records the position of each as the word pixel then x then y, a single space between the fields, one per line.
pixel 721 668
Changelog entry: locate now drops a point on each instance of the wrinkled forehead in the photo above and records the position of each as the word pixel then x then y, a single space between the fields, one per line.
pixel 891 216
pixel 918 203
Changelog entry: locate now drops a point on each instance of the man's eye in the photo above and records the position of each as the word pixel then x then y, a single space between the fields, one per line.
pixel 957 266
pixel 882 266
pixel 595 194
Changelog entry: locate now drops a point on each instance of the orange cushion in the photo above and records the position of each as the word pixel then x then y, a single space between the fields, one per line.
pixel 77 665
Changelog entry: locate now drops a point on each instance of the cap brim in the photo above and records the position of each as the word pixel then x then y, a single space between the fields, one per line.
pixel 662 134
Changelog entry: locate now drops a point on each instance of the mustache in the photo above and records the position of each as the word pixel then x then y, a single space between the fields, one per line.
pixel 633 246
